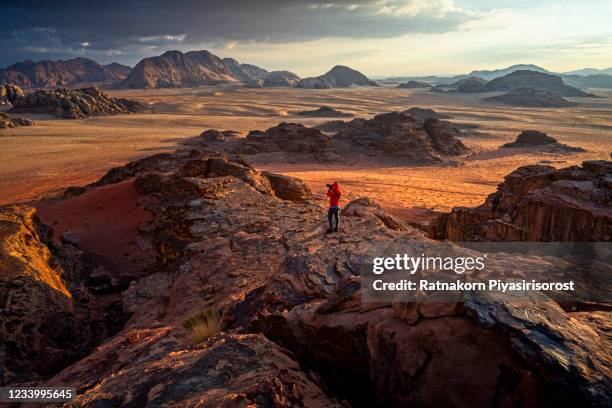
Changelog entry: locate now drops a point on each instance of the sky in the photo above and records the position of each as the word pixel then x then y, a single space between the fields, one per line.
pixel 379 37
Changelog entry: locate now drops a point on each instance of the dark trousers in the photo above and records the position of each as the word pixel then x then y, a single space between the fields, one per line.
pixel 333 212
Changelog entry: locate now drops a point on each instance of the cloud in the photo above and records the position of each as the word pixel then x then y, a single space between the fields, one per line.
pixel 131 25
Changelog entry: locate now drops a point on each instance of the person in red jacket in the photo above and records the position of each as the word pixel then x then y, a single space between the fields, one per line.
pixel 334 194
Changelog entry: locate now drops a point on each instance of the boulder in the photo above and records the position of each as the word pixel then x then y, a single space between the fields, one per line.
pixel 9 92
pixel 287 187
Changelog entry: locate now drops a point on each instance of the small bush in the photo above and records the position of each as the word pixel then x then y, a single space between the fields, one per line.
pixel 203 324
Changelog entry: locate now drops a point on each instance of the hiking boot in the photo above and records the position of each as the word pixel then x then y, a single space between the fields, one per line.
pixel 329 231
pixel 336 229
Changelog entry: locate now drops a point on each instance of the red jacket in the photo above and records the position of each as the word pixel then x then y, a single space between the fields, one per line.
pixel 334 195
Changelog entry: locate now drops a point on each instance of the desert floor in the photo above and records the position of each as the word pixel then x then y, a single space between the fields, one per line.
pixel 43 160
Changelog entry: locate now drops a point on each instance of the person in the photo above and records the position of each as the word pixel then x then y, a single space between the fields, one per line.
pixel 334 193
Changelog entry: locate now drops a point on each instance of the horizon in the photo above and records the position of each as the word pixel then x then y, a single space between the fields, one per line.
pixel 403 37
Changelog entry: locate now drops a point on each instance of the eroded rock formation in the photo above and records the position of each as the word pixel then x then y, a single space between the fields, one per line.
pixel 530 97
pixel 539 203
pixel 9 92
pixel 541 141
pixel 226 241
pixel 48 317
pixel 324 112
pixel 74 104
pixel 6 122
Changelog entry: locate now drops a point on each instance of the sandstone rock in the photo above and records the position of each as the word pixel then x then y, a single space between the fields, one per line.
pixel 530 138
pixel 530 97
pixel 227 371
pixel 324 112
pixel 267 265
pixel 74 104
pixel 398 135
pixel 363 207
pixel 296 140
pixel 215 136
pixel 6 122
pixel 425 113
pixel 47 318
pixel 538 203
pixel 9 92
pixel 287 187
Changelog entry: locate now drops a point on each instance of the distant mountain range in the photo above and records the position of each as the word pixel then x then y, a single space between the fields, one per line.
pixel 585 78
pixel 77 71
pixel 195 68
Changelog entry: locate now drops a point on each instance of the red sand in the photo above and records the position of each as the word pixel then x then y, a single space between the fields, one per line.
pixel 104 222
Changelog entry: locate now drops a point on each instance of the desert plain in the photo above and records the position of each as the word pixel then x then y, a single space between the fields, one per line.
pixel 41 161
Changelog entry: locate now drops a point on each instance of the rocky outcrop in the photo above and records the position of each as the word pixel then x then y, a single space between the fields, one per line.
pixel 157 369
pixel 280 78
pixel 426 113
pixel 530 97
pixel 287 187
pixel 398 135
pixel 412 84
pixel 538 203
pixel 395 136
pixel 534 80
pixel 224 242
pixel 44 74
pixel 9 92
pixel 175 69
pixel 324 112
pixel 48 317
pixel 6 122
pixel 338 77
pixel 74 103
pixel 540 140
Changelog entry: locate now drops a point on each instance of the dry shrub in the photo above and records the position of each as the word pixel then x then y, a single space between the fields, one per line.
pixel 203 324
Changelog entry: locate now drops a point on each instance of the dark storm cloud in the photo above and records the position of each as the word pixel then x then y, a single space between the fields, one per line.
pixel 130 29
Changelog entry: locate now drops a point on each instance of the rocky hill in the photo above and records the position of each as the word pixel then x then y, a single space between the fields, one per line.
pixel 338 77
pixel 397 136
pixel 530 97
pixel 530 139
pixel 46 74
pixel 534 80
pixel 414 84
pixel 324 112
pixel 539 203
pixel 74 103
pixel 177 69
pixel 9 92
pixel 471 85
pixel 294 330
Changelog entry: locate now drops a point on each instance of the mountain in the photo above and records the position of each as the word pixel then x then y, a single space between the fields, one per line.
pixel 590 71
pixel 245 72
pixel 47 73
pixel 534 80
pixel 496 73
pixel 177 69
pixel 338 77
pixel 589 81
pixel 119 70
